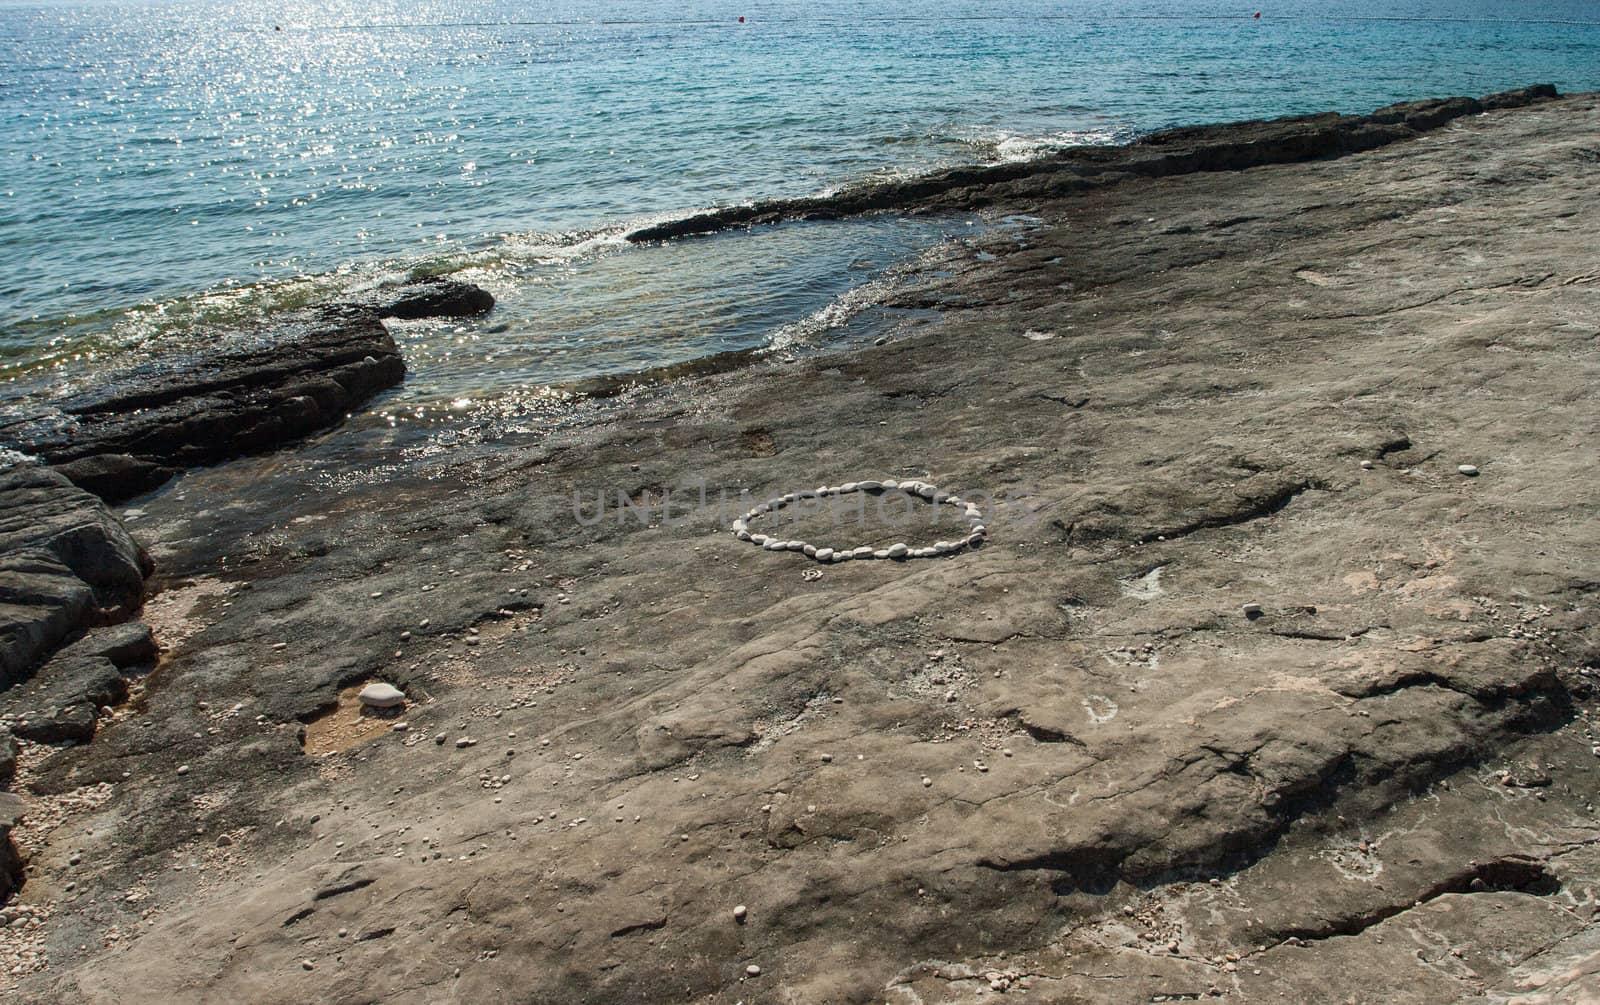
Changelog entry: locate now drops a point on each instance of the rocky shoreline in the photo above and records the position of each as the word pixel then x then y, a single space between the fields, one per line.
pixel 1246 691
pixel 254 390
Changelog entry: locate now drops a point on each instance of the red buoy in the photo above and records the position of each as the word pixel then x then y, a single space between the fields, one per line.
pixel 741 18
pixel 1258 15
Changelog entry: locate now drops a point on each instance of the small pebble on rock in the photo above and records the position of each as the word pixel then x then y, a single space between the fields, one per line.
pixel 381 695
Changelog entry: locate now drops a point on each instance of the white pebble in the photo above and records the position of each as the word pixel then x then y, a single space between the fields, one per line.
pixel 381 695
pixel 1469 470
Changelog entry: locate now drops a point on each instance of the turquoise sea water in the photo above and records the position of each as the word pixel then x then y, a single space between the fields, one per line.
pixel 169 166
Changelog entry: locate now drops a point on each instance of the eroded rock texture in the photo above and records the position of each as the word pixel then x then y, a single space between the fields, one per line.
pixel 1250 694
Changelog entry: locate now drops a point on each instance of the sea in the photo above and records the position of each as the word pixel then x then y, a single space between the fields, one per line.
pixel 170 169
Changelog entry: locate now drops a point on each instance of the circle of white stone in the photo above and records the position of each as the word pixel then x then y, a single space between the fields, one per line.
pixel 976 534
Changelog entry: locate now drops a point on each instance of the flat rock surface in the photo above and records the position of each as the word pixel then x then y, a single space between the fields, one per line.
pixel 1065 765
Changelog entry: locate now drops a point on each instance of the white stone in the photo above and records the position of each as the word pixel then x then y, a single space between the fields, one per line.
pixel 824 554
pixel 1467 469
pixel 849 487
pixel 881 553
pixel 890 484
pixel 753 970
pixel 773 544
pixel 743 535
pixel 381 695
pixel 868 486
pixel 974 538
pixel 955 501
pixel 843 556
pixel 979 528
pixel 863 552
pixel 739 525
pixel 810 551
pixel 898 550
pixel 796 545
pixel 740 912
pixel 1366 465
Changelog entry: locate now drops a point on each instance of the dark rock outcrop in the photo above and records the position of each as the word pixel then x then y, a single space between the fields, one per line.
pixel 141 425
pixel 253 391
pixel 11 864
pixel 66 564
pixel 8 757
pixel 425 298
pixel 1226 147
pixel 129 644
pixel 62 703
